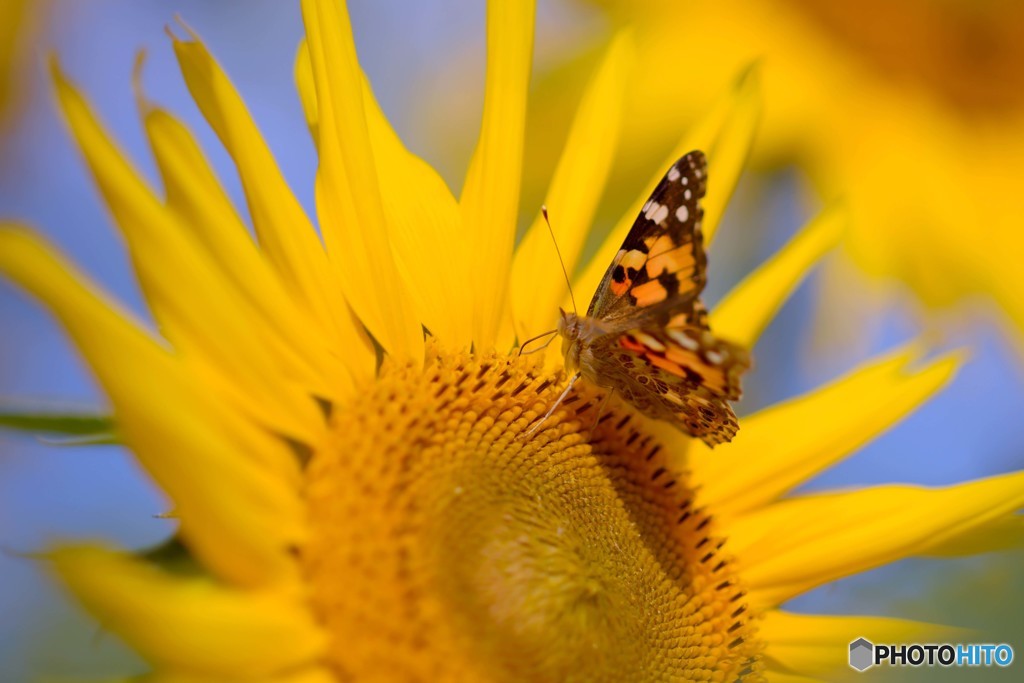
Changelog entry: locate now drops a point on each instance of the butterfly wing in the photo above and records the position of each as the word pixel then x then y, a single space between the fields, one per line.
pixel 681 374
pixel 652 344
pixel 660 269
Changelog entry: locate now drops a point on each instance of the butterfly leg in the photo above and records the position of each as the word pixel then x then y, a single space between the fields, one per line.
pixel 600 410
pixel 529 432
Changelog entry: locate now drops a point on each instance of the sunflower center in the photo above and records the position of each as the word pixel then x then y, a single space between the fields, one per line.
pixel 450 544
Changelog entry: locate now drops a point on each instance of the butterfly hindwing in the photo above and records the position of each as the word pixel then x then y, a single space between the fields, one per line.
pixel 660 268
pixel 683 375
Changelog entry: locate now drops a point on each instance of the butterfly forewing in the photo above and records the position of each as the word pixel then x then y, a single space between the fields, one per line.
pixel 661 265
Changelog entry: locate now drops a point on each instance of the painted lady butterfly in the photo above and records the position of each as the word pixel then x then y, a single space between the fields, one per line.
pixel 645 335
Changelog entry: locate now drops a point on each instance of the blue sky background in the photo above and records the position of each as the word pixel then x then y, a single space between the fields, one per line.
pixel 48 494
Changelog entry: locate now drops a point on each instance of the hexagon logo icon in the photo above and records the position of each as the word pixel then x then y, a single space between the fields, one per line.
pixel 862 654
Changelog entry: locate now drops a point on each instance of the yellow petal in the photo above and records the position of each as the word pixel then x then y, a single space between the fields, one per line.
pixel 306 87
pixel 426 232
pixel 424 223
pixel 742 316
pixel 191 623
pixel 18 21
pixel 817 645
pixel 195 307
pixel 195 194
pixel 232 483
pixel 285 233
pixel 348 190
pixel 490 196
pixel 776 677
pixel 305 675
pixel 795 545
pixel 1000 534
pixel 820 428
pixel 538 286
pixel 725 134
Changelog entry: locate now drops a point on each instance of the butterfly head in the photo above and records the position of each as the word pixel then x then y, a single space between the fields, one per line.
pixel 569 326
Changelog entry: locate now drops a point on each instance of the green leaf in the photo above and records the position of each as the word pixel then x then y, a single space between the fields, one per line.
pixel 86 426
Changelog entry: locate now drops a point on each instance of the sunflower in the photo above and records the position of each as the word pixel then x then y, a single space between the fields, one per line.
pixel 339 424
pixel 19 20
pixel 911 112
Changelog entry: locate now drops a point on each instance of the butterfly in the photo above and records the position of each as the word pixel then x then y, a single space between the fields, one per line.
pixel 645 335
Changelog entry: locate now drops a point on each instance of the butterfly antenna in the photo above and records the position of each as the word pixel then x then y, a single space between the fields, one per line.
pixel 568 284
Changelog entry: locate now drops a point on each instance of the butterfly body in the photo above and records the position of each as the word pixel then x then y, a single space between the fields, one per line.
pixel 645 334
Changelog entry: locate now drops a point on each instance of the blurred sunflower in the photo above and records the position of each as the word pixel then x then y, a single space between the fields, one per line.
pixel 912 111
pixel 19 21
pixel 352 497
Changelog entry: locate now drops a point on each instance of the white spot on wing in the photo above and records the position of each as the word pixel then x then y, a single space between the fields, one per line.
pixel 683 339
pixel 714 357
pixel 682 213
pixel 656 212
pixel 673 174
pixel 649 341
pixel 687 195
pixel 660 215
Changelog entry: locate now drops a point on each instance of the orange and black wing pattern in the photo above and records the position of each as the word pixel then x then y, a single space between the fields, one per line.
pixel 660 269
pixel 657 350
pixel 684 375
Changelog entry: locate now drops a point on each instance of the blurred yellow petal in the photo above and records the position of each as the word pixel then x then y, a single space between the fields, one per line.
pixel 822 427
pixel 744 314
pixel 305 675
pixel 194 192
pixel 579 178
pixel 305 85
pixel 15 14
pixel 490 195
pixel 725 134
pixel 285 233
pixel 817 645
pixel 241 515
pixel 188 308
pixel 1001 534
pixel 348 190
pixel 424 223
pixel 205 628
pixel 19 24
pixel 775 677
pixel 829 536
